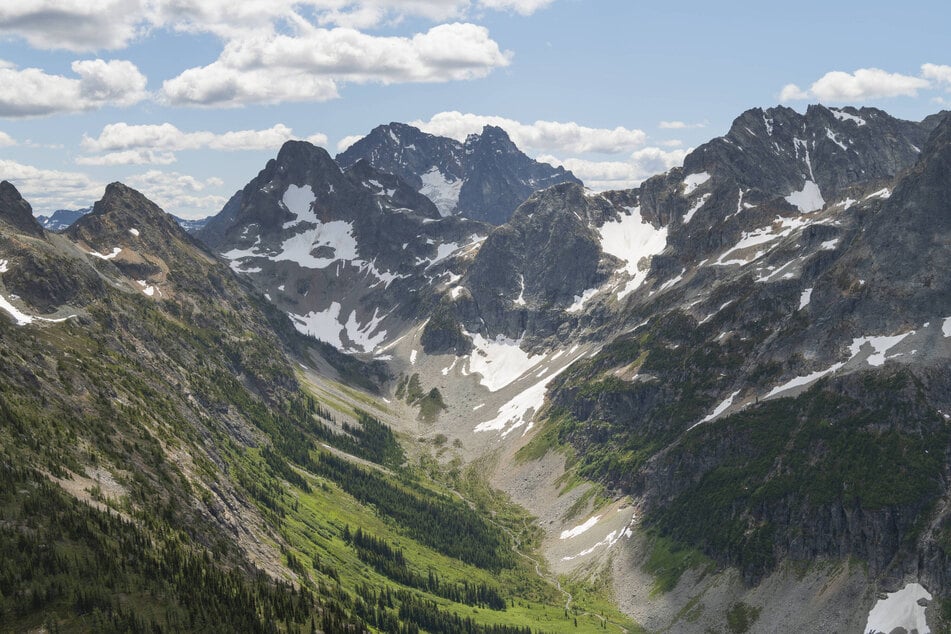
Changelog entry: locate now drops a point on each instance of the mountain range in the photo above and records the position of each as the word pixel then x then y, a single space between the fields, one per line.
pixel 717 401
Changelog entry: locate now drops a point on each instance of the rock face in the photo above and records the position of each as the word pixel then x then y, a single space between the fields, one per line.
pixel 782 396
pixel 353 256
pixel 16 212
pixel 127 230
pixel 485 178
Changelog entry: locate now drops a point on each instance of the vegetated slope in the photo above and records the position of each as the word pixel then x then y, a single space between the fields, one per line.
pixel 485 178
pixel 164 468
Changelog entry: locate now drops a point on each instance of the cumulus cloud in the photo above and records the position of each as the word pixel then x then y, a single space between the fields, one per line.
pixel 679 125
pixel 938 73
pixel 545 136
pixel 862 85
pixel 84 25
pixel 49 190
pixel 347 141
pixel 32 92
pixel 125 144
pixel 179 194
pixel 274 50
pixel 6 140
pixel 233 20
pixel 524 7
pixel 272 67
pixel 75 25
pixel 129 157
pixel 605 175
pixel 792 92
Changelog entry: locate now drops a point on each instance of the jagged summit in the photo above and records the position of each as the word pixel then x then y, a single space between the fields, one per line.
pixel 127 215
pixel 16 212
pixel 484 178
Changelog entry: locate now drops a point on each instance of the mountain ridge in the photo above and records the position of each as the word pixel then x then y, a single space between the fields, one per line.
pixel 484 178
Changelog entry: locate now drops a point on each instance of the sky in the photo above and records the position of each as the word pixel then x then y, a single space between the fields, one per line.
pixel 186 100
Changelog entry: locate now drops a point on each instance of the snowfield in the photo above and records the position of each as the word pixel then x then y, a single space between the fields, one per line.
pixel 631 239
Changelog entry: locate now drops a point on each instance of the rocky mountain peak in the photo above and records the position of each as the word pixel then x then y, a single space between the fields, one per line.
pixel 492 136
pixel 16 212
pixel 484 178
pixel 144 243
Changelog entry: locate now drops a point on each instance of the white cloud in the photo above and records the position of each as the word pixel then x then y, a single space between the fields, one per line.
pixel 938 73
pixel 862 85
pixel 6 140
pixel 179 194
pixel 32 92
pixel 546 136
pixel 129 157
pixel 605 175
pixel 89 25
pixel 75 25
pixel 679 125
pixel 792 92
pixel 524 7
pixel 347 141
pixel 235 20
pixel 49 190
pixel 122 136
pixel 126 144
pixel 271 67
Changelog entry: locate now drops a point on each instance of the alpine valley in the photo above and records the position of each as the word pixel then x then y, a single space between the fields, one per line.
pixel 432 386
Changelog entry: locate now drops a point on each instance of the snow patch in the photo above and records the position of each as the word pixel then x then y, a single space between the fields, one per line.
pixel 697 205
pixel 323 324
pixel 693 181
pixel 443 192
pixel 880 347
pixel 845 116
pixel 899 610
pixel 631 239
pixel 3 266
pixel 412 357
pixel 761 236
pixel 134 232
pixel 581 300
pixel 520 300
pixel 808 199
pixel 612 538
pixel 671 282
pixel 804 380
pixel 515 413
pixel 719 409
pixel 581 528
pixel 362 335
pixel 298 201
pixel 832 137
pixel 21 318
pixel 115 252
pixel 805 298
pixel 147 288
pixel 946 327
pixel 336 235
pixel 499 361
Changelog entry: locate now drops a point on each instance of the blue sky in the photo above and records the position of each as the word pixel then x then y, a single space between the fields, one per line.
pixel 186 101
